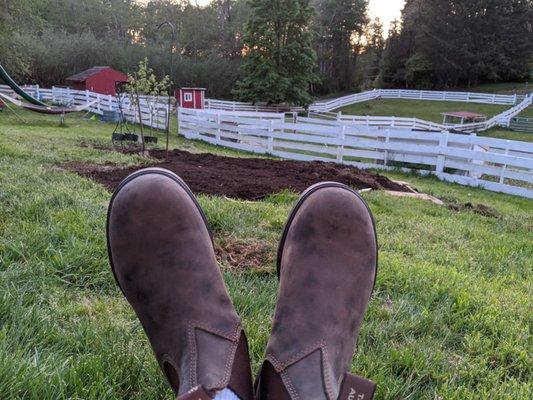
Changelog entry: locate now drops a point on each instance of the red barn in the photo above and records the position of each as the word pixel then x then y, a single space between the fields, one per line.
pixel 191 97
pixel 102 80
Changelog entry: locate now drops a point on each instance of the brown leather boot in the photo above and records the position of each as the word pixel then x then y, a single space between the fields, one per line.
pixel 161 253
pixel 327 262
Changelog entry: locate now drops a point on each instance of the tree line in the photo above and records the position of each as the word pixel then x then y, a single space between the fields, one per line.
pixel 272 50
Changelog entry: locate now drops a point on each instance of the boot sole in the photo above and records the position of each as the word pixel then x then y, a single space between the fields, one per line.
pixel 309 191
pixel 148 171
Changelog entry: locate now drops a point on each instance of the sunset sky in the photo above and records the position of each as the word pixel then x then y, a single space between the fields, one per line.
pixel 386 10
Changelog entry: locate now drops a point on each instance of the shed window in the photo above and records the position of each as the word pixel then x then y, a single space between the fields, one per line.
pixel 187 97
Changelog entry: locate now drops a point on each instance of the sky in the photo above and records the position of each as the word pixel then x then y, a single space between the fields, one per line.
pixel 386 10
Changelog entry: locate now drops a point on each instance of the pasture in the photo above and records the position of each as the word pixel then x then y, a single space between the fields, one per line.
pixel 450 317
pixel 431 111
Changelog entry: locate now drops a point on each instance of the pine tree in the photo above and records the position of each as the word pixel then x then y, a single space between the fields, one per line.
pixel 339 23
pixel 279 60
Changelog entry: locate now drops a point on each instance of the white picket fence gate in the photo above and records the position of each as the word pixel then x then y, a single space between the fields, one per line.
pixel 154 110
pixel 494 164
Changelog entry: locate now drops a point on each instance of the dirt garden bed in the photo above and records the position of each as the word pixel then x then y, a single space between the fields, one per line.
pixel 243 178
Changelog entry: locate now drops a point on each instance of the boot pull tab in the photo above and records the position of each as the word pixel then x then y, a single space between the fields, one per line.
pixel 197 393
pixel 356 388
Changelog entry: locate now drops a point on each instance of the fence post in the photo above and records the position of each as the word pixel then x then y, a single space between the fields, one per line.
pixel 441 158
pixel 387 139
pixel 270 145
pixel 340 144
pixel 217 135
pixel 99 100
pixel 504 168
pixel 178 114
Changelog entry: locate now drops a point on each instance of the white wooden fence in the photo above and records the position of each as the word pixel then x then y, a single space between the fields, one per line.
pixel 494 164
pixel 239 106
pixel 154 110
pixel 502 119
pixel 429 95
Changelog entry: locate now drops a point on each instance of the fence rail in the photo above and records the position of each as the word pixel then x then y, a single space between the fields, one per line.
pixel 430 95
pixel 494 164
pixel 239 106
pixel 154 110
pixel 502 119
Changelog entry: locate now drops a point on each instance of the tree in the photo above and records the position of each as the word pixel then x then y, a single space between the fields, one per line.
pixel 144 82
pixel 279 62
pixel 460 42
pixel 339 25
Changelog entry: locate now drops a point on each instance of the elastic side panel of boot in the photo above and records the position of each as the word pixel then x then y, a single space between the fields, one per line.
pixel 270 385
pixel 212 353
pixel 307 377
pixel 241 373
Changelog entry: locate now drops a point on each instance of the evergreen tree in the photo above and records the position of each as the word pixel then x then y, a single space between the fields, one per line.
pixel 460 43
pixel 340 25
pixel 279 59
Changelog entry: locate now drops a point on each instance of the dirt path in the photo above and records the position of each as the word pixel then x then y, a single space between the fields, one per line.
pixel 243 178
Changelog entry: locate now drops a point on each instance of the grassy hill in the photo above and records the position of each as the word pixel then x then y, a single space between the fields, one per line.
pixel 450 317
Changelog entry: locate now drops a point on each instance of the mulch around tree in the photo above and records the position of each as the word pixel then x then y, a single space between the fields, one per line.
pixel 243 178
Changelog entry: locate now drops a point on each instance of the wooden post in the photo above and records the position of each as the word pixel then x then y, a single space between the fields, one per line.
pixel 217 136
pixel 270 145
pixel 504 168
pixel 340 144
pixel 441 158
pixel 387 139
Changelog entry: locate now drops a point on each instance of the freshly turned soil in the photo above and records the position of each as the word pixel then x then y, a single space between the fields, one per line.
pixel 243 178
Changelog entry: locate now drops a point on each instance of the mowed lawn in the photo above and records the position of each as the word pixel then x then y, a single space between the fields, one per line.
pixel 432 110
pixel 450 317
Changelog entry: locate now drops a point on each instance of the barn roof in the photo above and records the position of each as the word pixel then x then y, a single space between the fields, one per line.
pixel 82 76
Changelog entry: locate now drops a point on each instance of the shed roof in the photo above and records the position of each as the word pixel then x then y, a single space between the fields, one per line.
pixel 463 114
pixel 82 76
pixel 192 88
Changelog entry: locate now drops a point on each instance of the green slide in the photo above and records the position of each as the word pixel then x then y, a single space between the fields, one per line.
pixel 17 89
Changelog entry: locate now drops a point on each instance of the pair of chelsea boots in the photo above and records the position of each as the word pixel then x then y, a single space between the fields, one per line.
pixel 161 253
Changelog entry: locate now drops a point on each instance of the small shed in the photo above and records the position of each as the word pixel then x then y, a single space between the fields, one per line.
pixel 102 80
pixel 462 117
pixel 191 97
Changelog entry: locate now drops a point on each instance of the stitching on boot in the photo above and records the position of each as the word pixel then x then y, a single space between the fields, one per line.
pixel 296 357
pixel 230 359
pixel 289 386
pixel 232 335
pixel 327 381
pixel 192 356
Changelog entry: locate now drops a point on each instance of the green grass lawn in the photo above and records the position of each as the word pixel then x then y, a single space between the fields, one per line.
pixel 426 110
pixel 450 317
pixel 431 111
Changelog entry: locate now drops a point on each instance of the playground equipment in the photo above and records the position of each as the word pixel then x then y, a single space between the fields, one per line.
pixel 35 105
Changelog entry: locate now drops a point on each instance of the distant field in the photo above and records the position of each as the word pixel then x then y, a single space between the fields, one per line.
pixel 426 110
pixel 431 111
